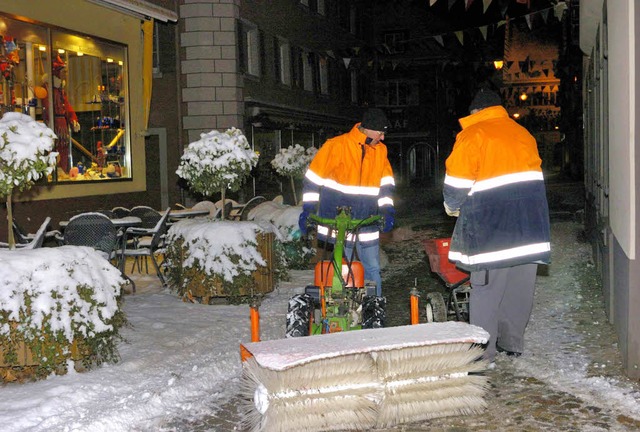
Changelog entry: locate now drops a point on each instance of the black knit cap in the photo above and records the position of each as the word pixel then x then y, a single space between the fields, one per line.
pixel 375 120
pixel 483 99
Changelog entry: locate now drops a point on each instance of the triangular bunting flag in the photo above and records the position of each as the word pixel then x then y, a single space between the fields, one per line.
pixel 467 4
pixel 542 88
pixel 509 64
pixel 356 50
pixel 439 39
pixel 545 15
pixel 432 2
pixel 395 64
pixel 451 3
pixel 460 36
pixel 331 54
pixel 501 23
pixel 528 20
pixel 559 9
pixel 546 72
pixel 483 31
pixel 346 61
pixel 485 5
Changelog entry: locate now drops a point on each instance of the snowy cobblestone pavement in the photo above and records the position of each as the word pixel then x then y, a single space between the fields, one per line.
pixel 570 378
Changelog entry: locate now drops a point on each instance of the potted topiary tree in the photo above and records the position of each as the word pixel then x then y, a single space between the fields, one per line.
pixel 216 162
pixel 25 156
pixel 293 162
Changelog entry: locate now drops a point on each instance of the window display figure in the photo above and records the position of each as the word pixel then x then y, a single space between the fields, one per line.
pixel 64 117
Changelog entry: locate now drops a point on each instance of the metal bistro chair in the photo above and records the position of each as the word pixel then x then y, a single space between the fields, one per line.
pixel 150 242
pixel 148 215
pixel 120 212
pixel 97 231
pixel 252 203
pixel 21 237
pixel 35 241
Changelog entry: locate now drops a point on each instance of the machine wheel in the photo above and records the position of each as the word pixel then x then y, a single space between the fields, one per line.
pixel 299 315
pixel 373 312
pixel 436 308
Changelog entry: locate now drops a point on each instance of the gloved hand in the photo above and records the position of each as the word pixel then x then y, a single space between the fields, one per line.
pixel 75 125
pixel 307 209
pixel 388 219
pixel 450 211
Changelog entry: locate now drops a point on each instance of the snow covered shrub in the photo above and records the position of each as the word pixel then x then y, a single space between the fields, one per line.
pixel 25 156
pixel 293 162
pixel 209 259
pixel 216 162
pixel 62 304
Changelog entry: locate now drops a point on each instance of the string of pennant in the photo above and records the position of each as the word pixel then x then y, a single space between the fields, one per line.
pixel 529 18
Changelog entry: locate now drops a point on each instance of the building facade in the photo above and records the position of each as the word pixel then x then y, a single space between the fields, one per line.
pixel 608 34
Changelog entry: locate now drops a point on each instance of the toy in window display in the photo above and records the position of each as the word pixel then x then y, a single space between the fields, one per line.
pixel 64 117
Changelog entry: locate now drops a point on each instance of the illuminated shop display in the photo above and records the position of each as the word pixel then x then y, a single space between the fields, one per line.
pixel 77 85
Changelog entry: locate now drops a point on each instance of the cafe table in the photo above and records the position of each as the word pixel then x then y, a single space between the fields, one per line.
pixel 187 213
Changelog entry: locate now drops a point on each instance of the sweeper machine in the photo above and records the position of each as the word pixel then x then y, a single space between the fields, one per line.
pixel 326 377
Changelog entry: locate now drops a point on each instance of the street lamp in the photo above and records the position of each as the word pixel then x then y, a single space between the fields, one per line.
pixel 498 64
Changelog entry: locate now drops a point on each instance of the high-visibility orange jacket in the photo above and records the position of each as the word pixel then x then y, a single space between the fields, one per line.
pixel 494 178
pixel 347 172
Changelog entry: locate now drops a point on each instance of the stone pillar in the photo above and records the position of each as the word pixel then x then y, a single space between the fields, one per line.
pixel 211 84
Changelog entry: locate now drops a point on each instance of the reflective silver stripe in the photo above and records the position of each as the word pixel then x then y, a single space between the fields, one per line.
pixel 363 237
pixel 457 182
pixel 500 255
pixel 387 180
pixel 311 197
pixel 505 180
pixel 349 190
pixel 314 178
pixel 384 201
pixel 352 190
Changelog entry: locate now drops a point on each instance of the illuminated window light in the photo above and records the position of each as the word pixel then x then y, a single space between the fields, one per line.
pixel 523 97
pixel 120 62
pixel 109 60
pixel 516 115
pixel 80 53
pixel 60 51
pixel 42 48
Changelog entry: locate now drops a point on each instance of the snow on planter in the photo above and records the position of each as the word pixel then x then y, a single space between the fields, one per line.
pixel 57 305
pixel 211 258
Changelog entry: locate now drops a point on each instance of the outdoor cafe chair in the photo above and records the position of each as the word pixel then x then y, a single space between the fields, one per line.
pixel 149 243
pixel 35 241
pixel 96 230
pixel 206 205
pixel 252 203
pixel 148 215
pixel 21 237
pixel 120 212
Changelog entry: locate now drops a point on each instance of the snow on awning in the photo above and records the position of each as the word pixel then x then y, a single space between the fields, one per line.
pixel 139 8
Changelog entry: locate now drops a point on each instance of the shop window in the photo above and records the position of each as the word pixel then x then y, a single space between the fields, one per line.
pixel 77 86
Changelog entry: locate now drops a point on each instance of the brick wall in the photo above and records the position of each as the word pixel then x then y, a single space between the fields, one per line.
pixel 212 87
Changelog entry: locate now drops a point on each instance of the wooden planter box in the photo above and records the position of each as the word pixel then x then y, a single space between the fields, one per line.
pixel 205 288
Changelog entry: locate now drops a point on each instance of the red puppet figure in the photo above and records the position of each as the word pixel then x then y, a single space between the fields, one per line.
pixel 64 117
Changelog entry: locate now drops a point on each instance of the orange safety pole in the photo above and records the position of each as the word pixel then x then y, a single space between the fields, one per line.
pixel 255 323
pixel 415 314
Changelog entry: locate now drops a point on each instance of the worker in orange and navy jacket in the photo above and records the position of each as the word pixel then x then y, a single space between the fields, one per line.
pixel 495 186
pixel 352 170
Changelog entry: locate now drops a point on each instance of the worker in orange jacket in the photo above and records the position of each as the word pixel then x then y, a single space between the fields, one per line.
pixel 495 186
pixel 353 170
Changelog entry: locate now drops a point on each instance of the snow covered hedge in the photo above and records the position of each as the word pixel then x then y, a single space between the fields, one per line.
pixel 213 258
pixel 60 303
